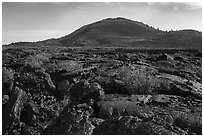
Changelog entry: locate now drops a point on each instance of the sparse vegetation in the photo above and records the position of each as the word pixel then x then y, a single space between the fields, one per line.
pixel 138 81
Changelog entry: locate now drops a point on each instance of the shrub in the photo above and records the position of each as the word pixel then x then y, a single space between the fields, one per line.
pixel 138 81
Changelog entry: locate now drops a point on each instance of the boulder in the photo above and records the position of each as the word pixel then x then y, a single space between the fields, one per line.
pixel 70 122
pixel 188 122
pixel 45 77
pixel 7 81
pixel 117 126
pixel 162 57
pixel 5 99
pixel 97 121
pixel 182 86
pixel 129 125
pixel 83 90
pixel 143 112
pixel 161 99
pixel 95 92
pixel 48 82
pixel 29 80
pixel 37 80
pixel 178 58
pixel 112 86
pixel 64 86
pixel 149 128
pixel 29 114
pixel 12 111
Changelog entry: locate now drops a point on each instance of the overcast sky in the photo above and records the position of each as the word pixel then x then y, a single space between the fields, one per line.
pixel 39 21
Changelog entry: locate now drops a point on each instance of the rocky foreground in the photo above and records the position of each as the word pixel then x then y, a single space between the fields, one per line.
pixel 101 91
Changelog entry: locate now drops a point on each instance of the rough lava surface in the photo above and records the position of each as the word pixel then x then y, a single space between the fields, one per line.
pixel 99 91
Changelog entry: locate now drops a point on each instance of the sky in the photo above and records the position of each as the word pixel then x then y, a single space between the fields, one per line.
pixel 34 21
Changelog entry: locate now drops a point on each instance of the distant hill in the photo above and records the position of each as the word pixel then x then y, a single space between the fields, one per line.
pixel 181 39
pixel 111 32
pixel 122 32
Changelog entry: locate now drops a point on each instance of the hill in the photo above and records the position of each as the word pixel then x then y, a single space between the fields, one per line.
pixel 181 39
pixel 122 32
pixel 111 32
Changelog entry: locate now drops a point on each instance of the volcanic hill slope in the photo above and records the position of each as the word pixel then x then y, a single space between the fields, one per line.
pixel 121 32
pixel 111 32
pixel 112 77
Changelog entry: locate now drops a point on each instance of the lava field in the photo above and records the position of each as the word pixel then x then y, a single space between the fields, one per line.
pixel 101 91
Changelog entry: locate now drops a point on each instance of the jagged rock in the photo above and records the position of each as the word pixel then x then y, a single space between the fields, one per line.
pixel 162 57
pixel 189 122
pixel 101 91
pixel 163 119
pixel 45 77
pixel 33 107
pixel 97 121
pixel 84 90
pixel 64 86
pixel 29 113
pixel 78 91
pixel 29 80
pixel 178 58
pixel 112 86
pixel 179 86
pixel 5 99
pixel 129 125
pixel 7 81
pixel 143 112
pixel 7 75
pixel 198 54
pixel 161 99
pixel 95 92
pixel 38 79
pixel 12 111
pixel 48 82
pixel 70 122
pixel 169 120
pixel 16 103
pixel 125 125
pixel 141 98
pixel 149 128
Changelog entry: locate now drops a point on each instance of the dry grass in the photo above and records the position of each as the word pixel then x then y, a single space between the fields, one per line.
pixel 138 81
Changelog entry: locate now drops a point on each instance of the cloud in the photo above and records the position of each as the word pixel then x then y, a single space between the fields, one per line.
pixel 150 3
pixel 193 5
pixel 118 5
pixel 158 3
pixel 79 7
pixel 112 3
pixel 175 6
pixel 96 3
pixel 59 3
pixel 29 4
pixel 107 3
pixel 151 9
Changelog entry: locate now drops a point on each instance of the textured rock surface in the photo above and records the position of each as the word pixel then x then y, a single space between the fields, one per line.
pixel 84 90
pixel 129 125
pixel 70 122
pixel 7 81
pixel 101 91
pixel 12 111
